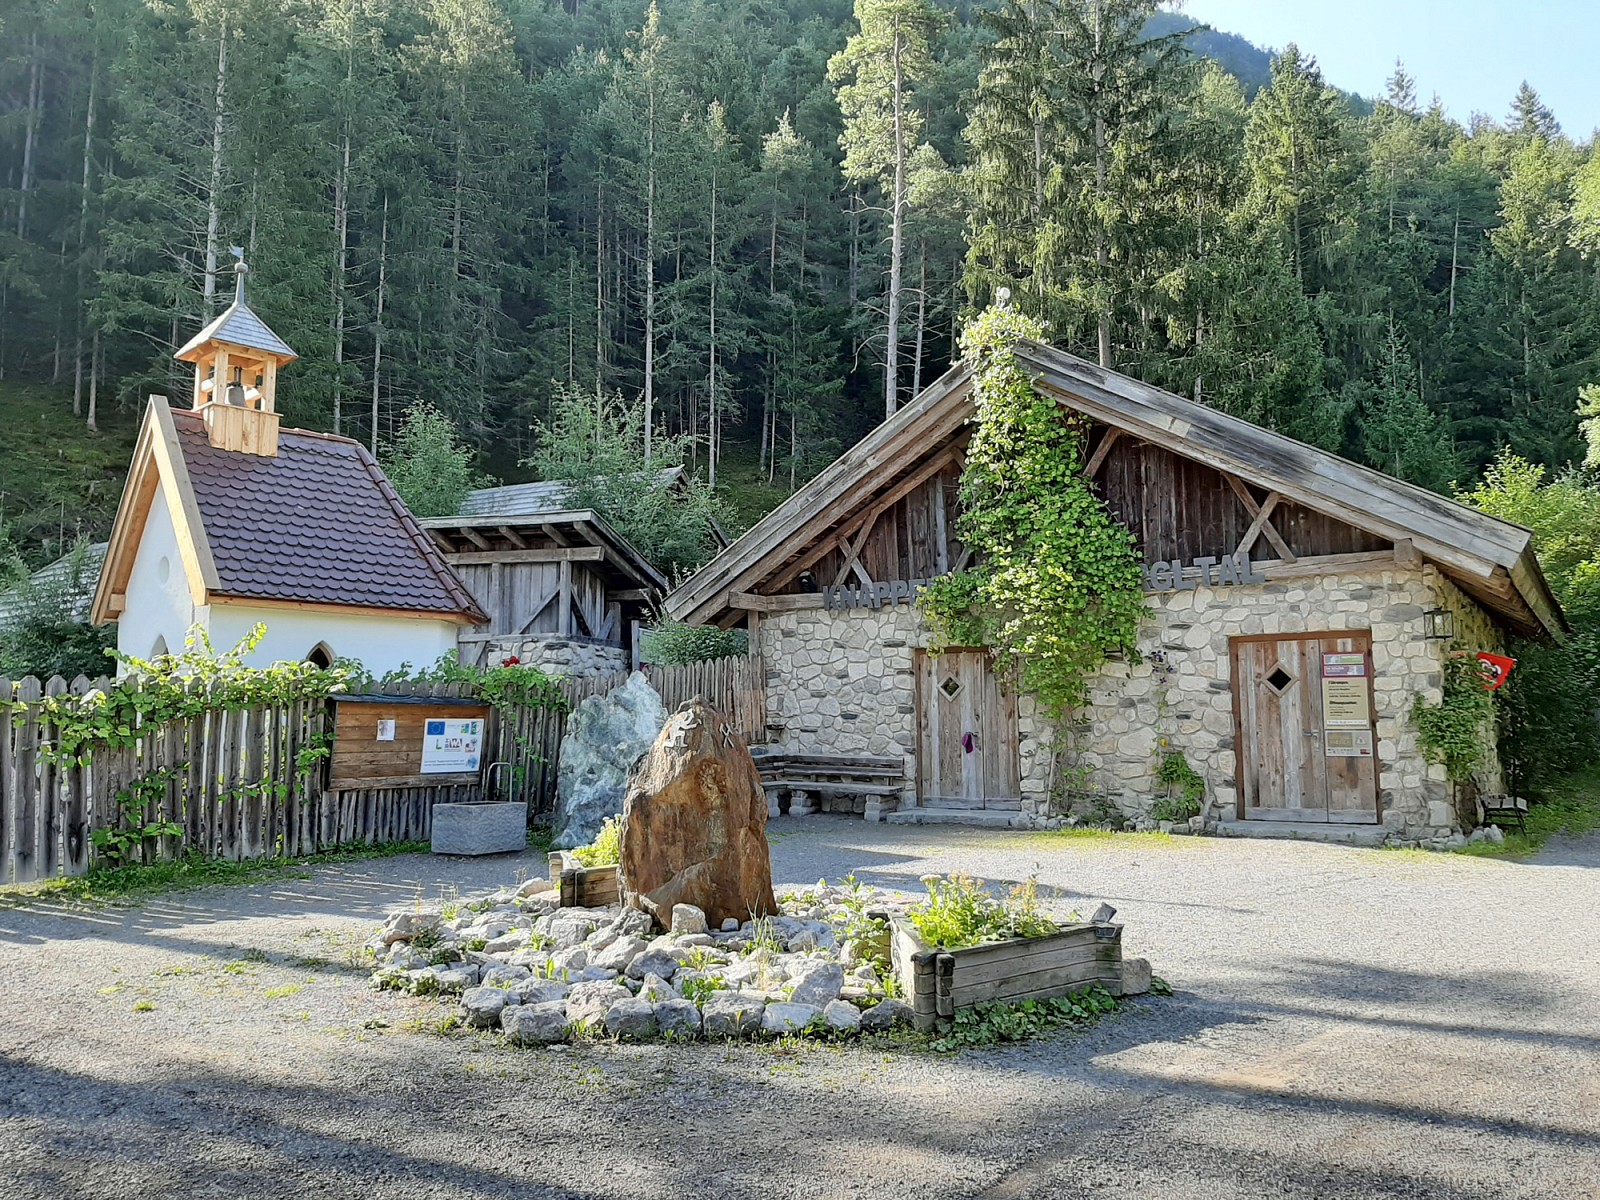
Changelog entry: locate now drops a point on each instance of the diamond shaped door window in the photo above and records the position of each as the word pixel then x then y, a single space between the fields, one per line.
pixel 951 687
pixel 1279 680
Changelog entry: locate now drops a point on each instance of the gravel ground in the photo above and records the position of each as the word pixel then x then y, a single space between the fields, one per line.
pixel 1348 1023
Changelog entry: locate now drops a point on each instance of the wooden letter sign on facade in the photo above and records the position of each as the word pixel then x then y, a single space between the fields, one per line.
pixel 397 741
pixel 1212 570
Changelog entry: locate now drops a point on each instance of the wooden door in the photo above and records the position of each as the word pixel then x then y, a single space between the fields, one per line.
pixel 966 733
pixel 1304 717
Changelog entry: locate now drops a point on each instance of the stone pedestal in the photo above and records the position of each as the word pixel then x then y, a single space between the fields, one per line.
pixel 480 828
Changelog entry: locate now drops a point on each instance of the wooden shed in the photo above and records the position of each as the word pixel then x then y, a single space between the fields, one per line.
pixel 561 588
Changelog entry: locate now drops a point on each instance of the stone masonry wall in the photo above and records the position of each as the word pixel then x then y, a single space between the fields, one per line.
pixel 843 683
pixel 1190 631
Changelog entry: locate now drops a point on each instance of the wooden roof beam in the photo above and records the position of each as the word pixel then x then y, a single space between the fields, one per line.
pixel 476 538
pixel 512 536
pixel 545 554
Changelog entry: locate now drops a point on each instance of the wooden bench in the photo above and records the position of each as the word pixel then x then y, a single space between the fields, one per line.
pixel 866 785
pixel 1505 810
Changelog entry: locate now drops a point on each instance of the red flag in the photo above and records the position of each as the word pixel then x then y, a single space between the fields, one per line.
pixel 1495 668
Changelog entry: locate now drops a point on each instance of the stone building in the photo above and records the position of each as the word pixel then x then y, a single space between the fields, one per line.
pixel 1297 606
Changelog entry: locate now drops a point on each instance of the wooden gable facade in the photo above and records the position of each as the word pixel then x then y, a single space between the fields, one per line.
pixel 552 574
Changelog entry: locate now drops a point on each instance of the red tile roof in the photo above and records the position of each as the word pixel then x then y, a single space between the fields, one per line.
pixel 319 524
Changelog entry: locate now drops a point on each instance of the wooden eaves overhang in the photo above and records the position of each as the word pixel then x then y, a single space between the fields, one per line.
pixel 578 535
pixel 1491 560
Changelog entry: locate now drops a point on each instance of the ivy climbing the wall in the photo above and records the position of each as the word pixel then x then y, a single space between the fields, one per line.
pixel 1455 731
pixel 1056 583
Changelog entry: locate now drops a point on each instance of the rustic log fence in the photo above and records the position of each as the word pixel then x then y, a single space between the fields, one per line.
pixel 252 783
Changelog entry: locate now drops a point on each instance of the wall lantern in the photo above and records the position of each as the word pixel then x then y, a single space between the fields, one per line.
pixel 1439 624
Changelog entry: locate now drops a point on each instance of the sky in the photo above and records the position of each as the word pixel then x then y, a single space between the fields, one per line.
pixel 1473 53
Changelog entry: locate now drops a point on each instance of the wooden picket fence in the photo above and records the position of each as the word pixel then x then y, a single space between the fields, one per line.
pixel 234 783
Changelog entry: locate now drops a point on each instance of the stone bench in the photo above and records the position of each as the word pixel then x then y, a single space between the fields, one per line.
pixel 864 785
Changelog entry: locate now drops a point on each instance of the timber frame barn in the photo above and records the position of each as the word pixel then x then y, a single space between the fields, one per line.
pixel 1298 603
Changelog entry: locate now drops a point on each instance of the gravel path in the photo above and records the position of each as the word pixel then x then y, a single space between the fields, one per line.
pixel 1349 1024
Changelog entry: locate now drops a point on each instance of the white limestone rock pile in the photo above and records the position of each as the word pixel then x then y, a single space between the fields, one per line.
pixel 541 974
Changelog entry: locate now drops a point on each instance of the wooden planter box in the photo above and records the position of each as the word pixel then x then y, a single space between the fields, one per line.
pixel 581 886
pixel 937 982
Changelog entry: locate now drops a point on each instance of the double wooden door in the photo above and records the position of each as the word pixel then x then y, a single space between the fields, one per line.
pixel 966 733
pixel 1305 737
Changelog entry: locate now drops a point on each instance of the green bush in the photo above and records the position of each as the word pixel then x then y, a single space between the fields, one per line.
pixel 43 635
pixel 1175 772
pixel 673 643
pixel 606 849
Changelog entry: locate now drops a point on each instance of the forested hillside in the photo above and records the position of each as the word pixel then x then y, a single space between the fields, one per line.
pixel 763 219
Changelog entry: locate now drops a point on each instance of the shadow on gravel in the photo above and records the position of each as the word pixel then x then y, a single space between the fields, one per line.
pixel 331 893
pixel 230 1138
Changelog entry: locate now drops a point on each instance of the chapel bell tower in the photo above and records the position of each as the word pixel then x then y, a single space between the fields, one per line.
pixel 236 360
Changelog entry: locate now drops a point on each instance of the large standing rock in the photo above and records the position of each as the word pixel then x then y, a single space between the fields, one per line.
pixel 694 825
pixel 605 736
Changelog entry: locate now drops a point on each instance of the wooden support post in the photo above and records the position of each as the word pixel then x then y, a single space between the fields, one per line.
pixel 564 612
pixel 1097 460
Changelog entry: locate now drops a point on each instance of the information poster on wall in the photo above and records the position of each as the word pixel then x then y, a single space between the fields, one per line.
pixel 1347 743
pixel 1346 698
pixel 451 747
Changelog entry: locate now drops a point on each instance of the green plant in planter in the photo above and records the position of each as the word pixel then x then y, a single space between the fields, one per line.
pixel 1189 799
pixel 958 913
pixel 1057 583
pixel 1454 731
pixel 606 849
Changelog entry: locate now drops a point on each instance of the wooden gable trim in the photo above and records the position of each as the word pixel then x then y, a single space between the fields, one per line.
pixel 822 508
pixel 157 465
pixel 1164 419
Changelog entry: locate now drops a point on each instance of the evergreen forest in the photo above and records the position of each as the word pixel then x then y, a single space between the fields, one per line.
pixel 761 223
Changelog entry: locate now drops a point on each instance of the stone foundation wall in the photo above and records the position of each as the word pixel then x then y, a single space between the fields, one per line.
pixel 844 683
pixel 559 656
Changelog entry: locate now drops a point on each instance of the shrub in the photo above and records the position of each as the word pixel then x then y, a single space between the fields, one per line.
pixel 958 912
pixel 43 635
pixel 606 849
pixel 674 643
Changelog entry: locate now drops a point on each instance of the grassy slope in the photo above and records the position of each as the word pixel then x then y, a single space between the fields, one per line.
pixel 55 474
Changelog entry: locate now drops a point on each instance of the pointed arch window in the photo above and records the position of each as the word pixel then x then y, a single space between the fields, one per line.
pixel 320 655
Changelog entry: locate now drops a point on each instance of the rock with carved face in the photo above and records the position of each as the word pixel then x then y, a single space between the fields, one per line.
pixel 694 823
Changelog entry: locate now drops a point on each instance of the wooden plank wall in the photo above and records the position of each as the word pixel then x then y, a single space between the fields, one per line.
pixel 1178 508
pixel 913 539
pixel 231 779
pixel 512 593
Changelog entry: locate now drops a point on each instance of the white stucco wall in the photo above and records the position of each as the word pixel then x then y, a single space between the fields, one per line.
pixel 158 602
pixel 380 643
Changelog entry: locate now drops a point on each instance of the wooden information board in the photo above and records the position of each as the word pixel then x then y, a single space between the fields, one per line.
pixel 399 741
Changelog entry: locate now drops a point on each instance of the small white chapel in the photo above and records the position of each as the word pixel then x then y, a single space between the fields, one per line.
pixel 228 520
